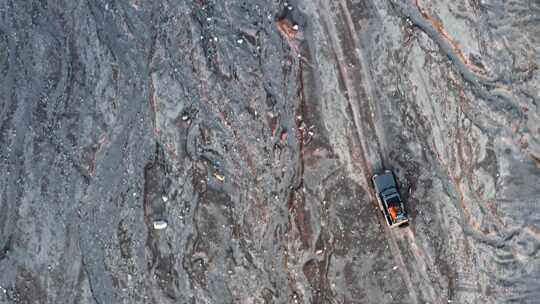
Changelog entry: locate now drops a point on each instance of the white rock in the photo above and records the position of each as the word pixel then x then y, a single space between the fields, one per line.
pixel 160 224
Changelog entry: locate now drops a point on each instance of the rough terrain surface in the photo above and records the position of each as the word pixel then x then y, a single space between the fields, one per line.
pixel 253 128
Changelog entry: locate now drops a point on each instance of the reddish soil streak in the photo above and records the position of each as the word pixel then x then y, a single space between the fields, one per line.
pixel 440 28
pixel 285 27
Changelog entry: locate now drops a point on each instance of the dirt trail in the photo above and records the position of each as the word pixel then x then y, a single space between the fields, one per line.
pixel 368 122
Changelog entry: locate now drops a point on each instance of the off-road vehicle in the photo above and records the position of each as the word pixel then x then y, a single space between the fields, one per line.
pixel 389 199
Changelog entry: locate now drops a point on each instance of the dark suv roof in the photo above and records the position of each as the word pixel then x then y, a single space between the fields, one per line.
pixel 384 181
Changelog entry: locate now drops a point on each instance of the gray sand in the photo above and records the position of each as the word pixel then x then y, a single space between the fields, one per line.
pixel 252 129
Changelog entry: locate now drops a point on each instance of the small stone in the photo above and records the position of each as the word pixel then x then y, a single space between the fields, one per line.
pixel 219 177
pixel 160 224
pixel 394 268
pixel 240 41
pixel 164 198
pixel 295 27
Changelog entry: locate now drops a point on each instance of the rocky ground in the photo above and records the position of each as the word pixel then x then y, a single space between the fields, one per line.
pixel 253 128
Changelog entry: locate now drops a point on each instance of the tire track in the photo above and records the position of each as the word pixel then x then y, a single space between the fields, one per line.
pixel 370 130
pixel 407 236
pixel 360 128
